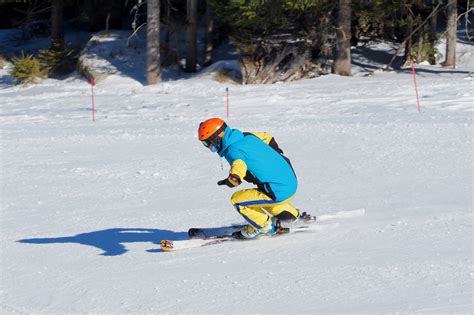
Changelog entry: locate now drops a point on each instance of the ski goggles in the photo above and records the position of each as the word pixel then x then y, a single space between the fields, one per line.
pixel 206 143
pixel 210 144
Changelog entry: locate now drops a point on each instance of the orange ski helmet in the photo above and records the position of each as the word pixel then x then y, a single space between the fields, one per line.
pixel 211 131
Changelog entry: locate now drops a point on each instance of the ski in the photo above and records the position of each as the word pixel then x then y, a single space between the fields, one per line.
pixel 199 237
pixel 213 232
pixel 170 245
pixel 227 230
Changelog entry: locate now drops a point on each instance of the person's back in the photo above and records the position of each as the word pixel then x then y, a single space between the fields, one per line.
pixel 267 165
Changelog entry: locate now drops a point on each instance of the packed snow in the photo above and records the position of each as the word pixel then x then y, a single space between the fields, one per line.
pixel 85 204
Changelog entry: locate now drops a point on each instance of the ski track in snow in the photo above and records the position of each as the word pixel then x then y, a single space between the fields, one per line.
pixel 84 205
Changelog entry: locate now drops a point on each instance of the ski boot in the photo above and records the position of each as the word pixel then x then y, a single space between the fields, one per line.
pixel 287 220
pixel 249 231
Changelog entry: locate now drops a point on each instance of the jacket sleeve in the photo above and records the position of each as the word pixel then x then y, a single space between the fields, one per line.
pixel 237 172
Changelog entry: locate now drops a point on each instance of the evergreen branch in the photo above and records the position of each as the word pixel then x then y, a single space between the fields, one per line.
pixel 402 44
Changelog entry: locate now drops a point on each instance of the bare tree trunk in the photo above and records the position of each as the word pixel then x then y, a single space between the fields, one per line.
pixel 409 34
pixel 153 66
pixel 432 35
pixel 191 56
pixel 451 34
pixel 57 25
pixel 433 26
pixel 342 62
pixel 168 25
pixel 208 42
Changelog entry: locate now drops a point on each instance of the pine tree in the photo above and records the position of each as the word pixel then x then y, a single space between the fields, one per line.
pixel 342 62
pixel 153 66
pixel 452 13
pixel 57 25
pixel 208 42
pixel 191 55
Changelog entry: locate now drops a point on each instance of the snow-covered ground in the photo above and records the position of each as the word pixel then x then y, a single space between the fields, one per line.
pixel 84 204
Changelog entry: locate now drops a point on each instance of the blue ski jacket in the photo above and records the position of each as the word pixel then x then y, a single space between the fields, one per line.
pixel 253 159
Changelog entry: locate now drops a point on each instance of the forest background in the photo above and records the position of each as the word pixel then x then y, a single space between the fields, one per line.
pixel 275 41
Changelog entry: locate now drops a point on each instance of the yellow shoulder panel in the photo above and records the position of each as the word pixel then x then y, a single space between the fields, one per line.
pixel 264 136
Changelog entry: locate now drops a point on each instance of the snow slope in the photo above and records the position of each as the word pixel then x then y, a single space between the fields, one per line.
pixel 85 204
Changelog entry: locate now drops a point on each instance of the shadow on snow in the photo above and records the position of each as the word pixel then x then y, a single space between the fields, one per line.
pixel 111 241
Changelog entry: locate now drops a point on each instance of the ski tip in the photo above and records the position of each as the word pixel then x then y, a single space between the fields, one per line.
pixel 166 245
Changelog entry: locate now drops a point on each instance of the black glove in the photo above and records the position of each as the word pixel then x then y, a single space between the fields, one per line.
pixel 231 181
pixel 225 182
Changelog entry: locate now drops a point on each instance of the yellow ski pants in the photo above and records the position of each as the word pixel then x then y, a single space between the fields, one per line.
pixel 254 205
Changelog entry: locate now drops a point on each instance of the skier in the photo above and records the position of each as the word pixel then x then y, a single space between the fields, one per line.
pixel 255 158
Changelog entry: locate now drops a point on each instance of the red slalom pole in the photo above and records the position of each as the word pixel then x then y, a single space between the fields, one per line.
pixel 227 101
pixel 416 86
pixel 93 105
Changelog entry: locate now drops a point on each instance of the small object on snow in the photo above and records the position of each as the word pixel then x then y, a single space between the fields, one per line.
pixel 166 245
